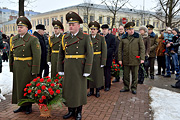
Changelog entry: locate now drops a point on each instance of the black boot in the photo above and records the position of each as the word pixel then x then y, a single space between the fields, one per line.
pixel 71 112
pixel 29 109
pixel 97 93
pixel 116 79
pixel 91 92
pixel 79 111
pixel 20 109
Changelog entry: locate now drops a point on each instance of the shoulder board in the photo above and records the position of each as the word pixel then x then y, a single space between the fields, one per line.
pixel 33 36
pixel 101 35
pixel 15 37
pixel 85 33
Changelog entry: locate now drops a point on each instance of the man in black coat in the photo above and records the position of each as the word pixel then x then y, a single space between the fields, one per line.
pixel 39 34
pixel 111 46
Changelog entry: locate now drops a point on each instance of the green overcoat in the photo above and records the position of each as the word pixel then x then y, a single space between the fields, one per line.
pixel 53 50
pixel 129 48
pixel 100 56
pixel 24 59
pixel 75 58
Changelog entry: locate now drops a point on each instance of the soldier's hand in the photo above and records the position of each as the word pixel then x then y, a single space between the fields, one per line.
pixel 120 62
pixel 86 74
pixel 102 65
pixel 168 45
pixel 142 61
pixel 61 73
pixel 49 63
pixel 33 73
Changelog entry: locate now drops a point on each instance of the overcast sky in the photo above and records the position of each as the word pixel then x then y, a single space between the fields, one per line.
pixel 48 5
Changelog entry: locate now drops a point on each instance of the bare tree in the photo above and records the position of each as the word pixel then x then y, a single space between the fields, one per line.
pixel 22 5
pixel 167 11
pixel 86 8
pixel 114 7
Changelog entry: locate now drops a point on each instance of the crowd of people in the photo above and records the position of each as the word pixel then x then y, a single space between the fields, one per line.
pixel 88 56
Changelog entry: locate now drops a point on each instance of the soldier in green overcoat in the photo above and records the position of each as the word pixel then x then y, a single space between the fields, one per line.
pixel 24 61
pixel 99 60
pixel 154 44
pixel 133 49
pixel 75 63
pixel 54 44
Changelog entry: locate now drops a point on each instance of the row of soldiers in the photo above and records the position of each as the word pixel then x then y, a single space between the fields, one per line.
pixel 76 56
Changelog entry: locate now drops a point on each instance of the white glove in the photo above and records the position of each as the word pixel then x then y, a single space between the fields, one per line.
pixel 33 73
pixel 102 65
pixel 49 63
pixel 86 74
pixel 61 73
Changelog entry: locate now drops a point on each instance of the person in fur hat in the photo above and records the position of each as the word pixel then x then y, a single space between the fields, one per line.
pixel 147 43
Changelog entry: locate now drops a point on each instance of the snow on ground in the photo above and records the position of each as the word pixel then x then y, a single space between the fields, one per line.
pixel 165 104
pixel 6 79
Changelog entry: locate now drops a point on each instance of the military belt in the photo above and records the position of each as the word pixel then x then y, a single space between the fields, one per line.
pixel 55 51
pixel 74 56
pixel 22 58
pixel 96 53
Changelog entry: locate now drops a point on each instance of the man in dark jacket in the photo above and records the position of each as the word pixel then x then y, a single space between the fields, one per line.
pixel 111 46
pixel 1 46
pixel 39 34
pixel 120 34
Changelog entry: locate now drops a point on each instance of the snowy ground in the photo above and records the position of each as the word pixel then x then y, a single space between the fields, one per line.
pixel 6 79
pixel 165 104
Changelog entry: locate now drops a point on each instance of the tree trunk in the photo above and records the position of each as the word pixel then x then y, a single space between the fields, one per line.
pixel 113 21
pixel 21 8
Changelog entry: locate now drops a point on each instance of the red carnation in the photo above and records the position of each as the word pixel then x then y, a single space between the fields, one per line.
pixel 35 80
pixel 115 69
pixel 117 65
pixel 40 100
pixel 114 65
pixel 111 66
pixel 137 56
pixel 52 84
pixel 49 80
pixel 25 89
pixel 163 41
pixel 59 77
pixel 42 79
pixel 57 91
pixel 25 94
pixel 114 62
pixel 43 97
pixel 163 50
pixel 60 85
pixel 38 84
pixel 43 87
pixel 51 92
pixel 36 95
pixel 56 80
pixel 38 77
pixel 47 77
pixel 50 89
pixel 38 91
pixel 29 91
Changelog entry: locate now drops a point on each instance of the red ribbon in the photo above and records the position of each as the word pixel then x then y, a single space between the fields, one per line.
pixel 41 105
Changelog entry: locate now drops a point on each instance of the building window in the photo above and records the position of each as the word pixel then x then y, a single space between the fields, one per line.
pixel 153 23
pixel 137 23
pixel 147 22
pixel 133 21
pixel 157 25
pixel 120 22
pixel 85 19
pixel 52 19
pixel 162 25
pixel 55 18
pixel 62 19
pixel 91 18
pixel 100 20
pixel 45 21
pixel 48 22
pixel 13 28
pixel 144 22
pixel 108 20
